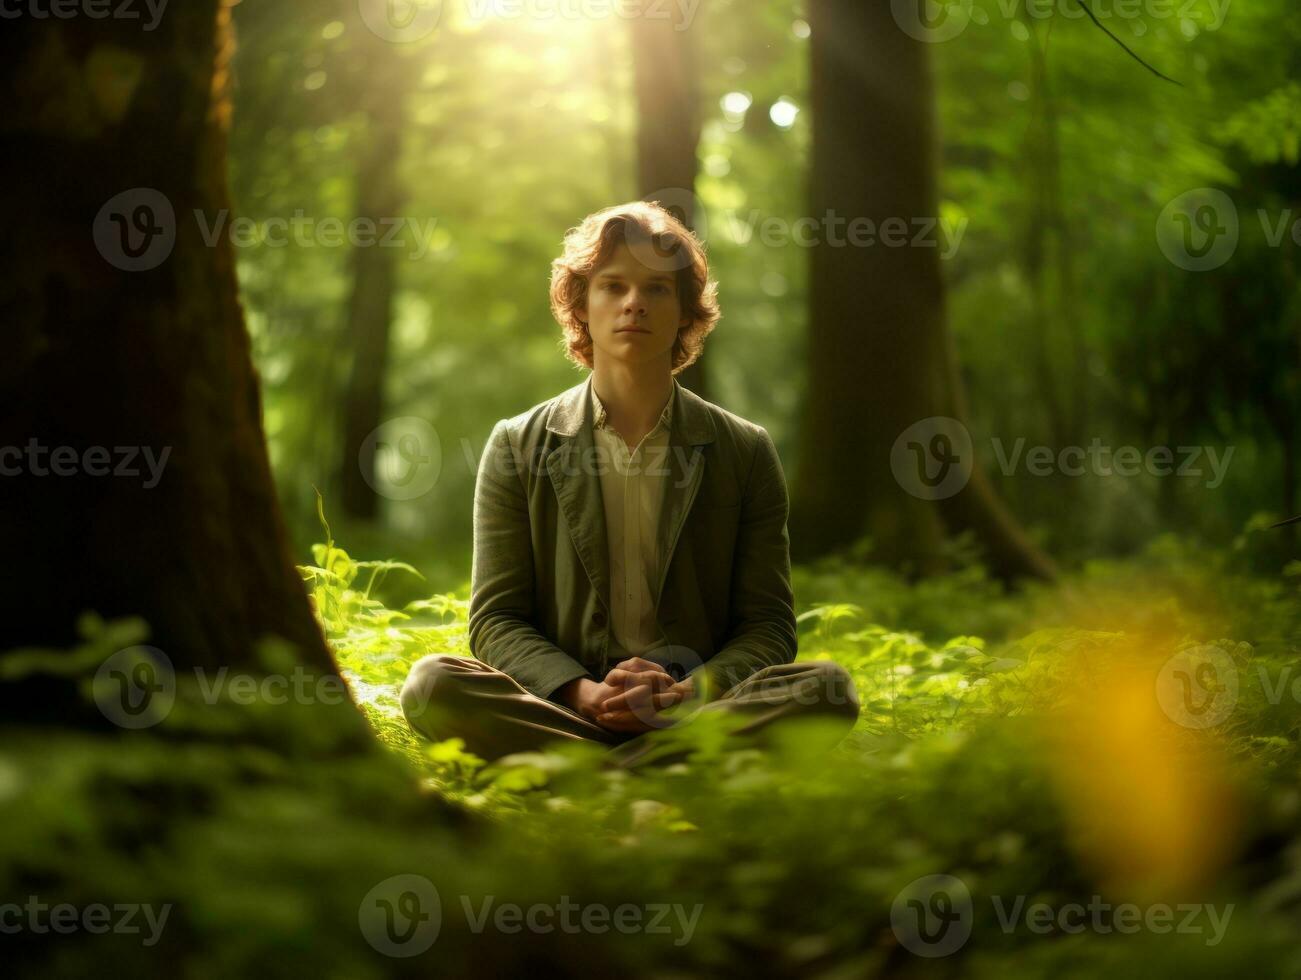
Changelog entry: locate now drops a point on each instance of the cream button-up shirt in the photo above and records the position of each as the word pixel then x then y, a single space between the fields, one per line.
pixel 632 490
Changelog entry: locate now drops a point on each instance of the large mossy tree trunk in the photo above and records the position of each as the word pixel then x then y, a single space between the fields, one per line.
pixel 114 155
pixel 880 356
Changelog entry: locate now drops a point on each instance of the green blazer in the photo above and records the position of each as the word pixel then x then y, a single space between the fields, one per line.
pixel 540 586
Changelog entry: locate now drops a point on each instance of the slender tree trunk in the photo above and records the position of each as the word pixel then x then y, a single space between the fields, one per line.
pixel 1037 243
pixel 668 123
pixel 379 195
pixel 879 350
pixel 114 139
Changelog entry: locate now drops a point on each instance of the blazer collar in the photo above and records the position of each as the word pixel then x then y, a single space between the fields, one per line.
pixel 692 424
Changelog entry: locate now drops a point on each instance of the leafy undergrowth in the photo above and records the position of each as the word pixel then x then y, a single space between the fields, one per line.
pixel 1057 763
pixel 1126 736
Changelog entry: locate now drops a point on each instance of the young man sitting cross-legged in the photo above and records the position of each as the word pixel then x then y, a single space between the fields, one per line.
pixel 631 559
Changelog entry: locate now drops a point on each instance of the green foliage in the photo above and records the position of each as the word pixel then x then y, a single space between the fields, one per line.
pixel 265 827
pixel 949 726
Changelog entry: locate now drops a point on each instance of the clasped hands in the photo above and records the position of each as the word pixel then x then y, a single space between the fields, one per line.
pixel 630 698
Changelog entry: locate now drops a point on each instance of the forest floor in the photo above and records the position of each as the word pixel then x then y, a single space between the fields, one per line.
pixel 1099 774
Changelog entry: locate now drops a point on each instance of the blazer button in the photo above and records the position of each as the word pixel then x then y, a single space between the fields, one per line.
pixel 598 618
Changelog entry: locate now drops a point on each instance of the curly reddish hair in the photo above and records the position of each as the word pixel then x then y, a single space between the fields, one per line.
pixel 656 236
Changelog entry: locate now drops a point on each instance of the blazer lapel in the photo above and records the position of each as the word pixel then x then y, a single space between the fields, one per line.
pixel 691 431
pixel 572 468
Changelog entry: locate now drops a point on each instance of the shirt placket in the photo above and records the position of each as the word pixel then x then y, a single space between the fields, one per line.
pixel 631 546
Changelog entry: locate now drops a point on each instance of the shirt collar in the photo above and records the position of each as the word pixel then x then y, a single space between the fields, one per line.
pixel 600 421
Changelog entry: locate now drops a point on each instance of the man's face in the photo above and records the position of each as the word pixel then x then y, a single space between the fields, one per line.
pixel 633 311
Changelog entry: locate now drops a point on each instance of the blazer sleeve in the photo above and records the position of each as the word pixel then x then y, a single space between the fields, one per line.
pixel 762 613
pixel 502 626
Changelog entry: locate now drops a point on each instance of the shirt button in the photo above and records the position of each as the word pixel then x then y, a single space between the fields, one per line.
pixel 598 618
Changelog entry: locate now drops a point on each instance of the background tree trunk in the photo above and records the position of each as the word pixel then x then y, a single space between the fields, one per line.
pixel 666 81
pixel 379 195
pixel 879 349
pixel 155 358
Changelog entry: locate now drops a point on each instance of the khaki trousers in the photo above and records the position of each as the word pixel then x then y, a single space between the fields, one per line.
pixel 448 696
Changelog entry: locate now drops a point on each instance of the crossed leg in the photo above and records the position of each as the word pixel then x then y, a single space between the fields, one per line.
pixel 448 696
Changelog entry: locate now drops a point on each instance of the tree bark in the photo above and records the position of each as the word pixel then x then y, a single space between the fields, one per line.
pixel 379 195
pixel 880 354
pixel 111 363
pixel 666 82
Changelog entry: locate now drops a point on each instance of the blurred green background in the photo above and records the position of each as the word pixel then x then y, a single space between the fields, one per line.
pixel 1057 155
pixel 1031 743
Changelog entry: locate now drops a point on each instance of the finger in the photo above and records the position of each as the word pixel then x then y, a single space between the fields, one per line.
pixel 638 664
pixel 641 704
pixel 624 678
pixel 622 721
pixel 667 699
pixel 642 695
pixel 644 720
pixel 628 700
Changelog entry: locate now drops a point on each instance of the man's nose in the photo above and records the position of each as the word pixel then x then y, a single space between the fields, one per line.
pixel 635 302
